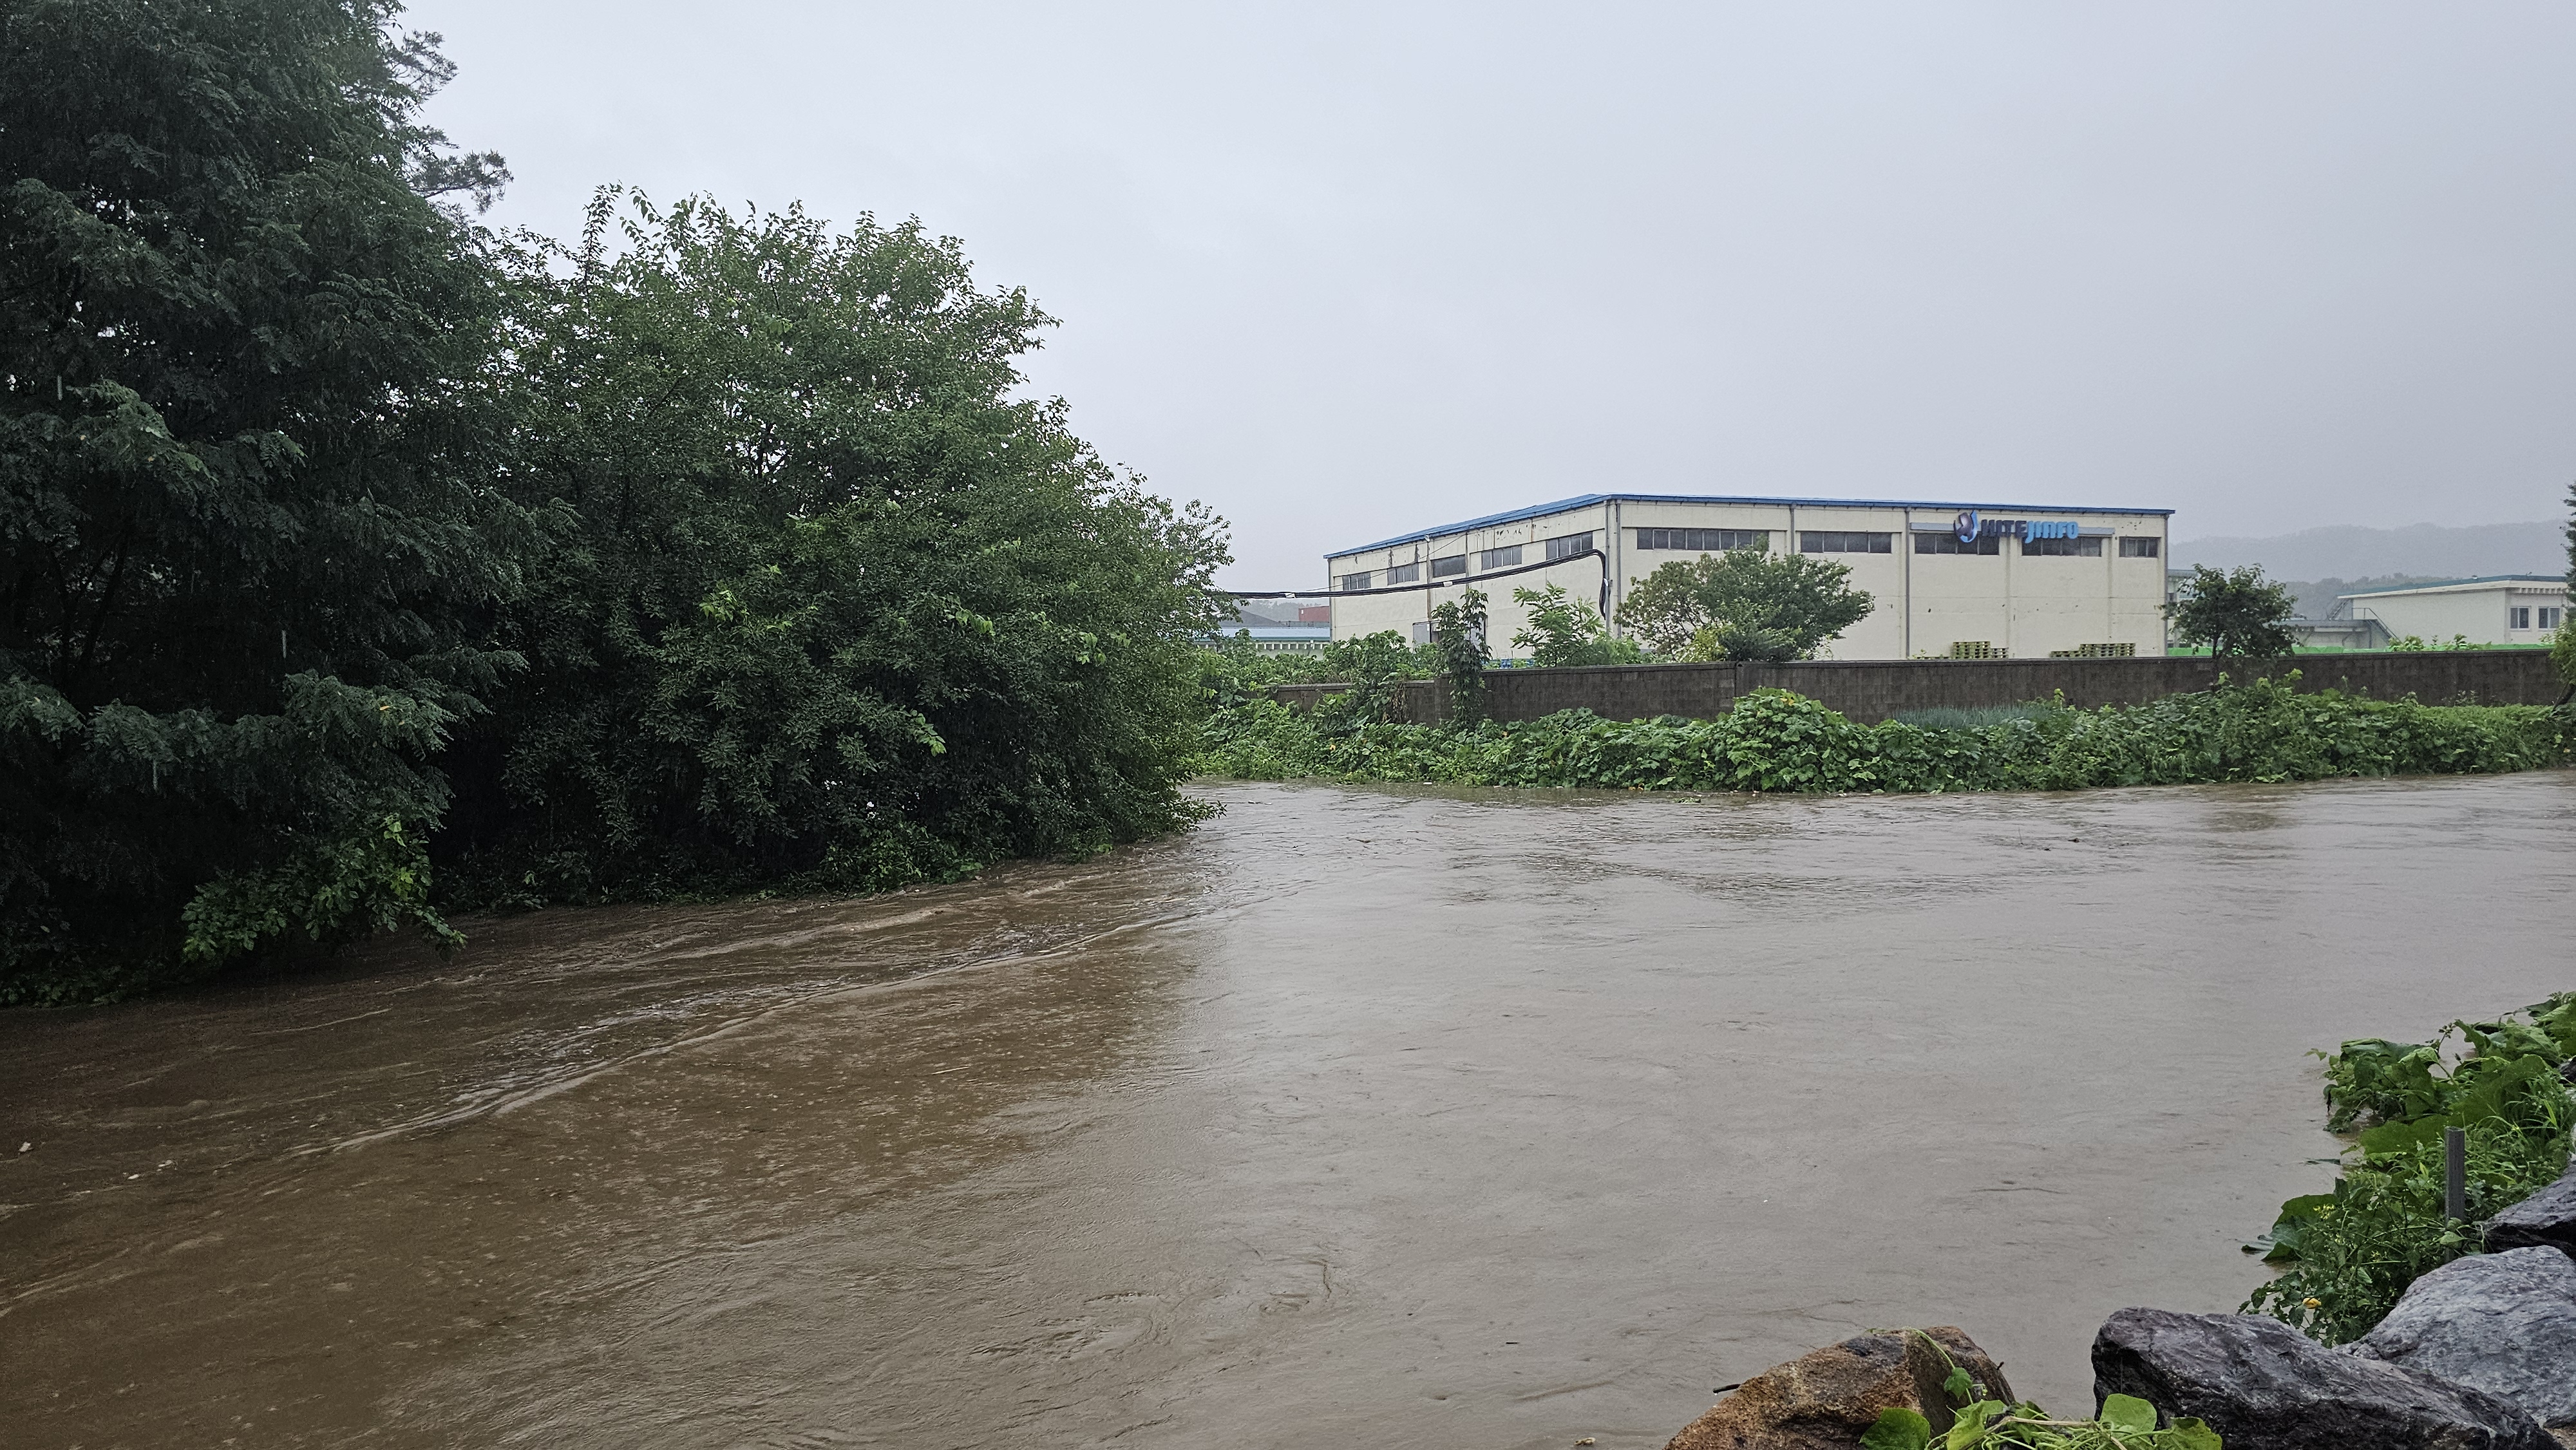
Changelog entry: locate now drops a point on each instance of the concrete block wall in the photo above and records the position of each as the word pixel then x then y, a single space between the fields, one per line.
pixel 1872 690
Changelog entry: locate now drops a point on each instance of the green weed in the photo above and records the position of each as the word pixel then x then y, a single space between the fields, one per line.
pixel 2347 1255
pixel 1779 741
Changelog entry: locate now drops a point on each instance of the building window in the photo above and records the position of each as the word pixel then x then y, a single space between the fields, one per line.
pixel 1499 558
pixel 1566 546
pixel 2063 548
pixel 2139 548
pixel 1829 542
pixel 2551 618
pixel 2521 616
pixel 1404 573
pixel 1355 581
pixel 1949 544
pixel 1704 541
pixel 1444 568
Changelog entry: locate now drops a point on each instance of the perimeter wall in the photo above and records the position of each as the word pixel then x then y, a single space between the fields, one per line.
pixel 1871 690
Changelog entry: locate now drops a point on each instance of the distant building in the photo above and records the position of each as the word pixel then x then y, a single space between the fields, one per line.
pixel 2495 609
pixel 1975 580
pixel 1284 639
pixel 2339 632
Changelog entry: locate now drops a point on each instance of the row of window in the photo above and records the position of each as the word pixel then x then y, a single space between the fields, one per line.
pixel 1810 541
pixel 1704 541
pixel 2549 617
pixel 1830 541
pixel 1563 546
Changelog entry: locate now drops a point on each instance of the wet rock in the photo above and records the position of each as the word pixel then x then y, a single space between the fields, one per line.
pixel 1825 1400
pixel 2503 1323
pixel 2264 1386
pixel 2546 1219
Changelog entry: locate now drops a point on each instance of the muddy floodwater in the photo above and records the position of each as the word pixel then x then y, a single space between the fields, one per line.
pixel 1354 1117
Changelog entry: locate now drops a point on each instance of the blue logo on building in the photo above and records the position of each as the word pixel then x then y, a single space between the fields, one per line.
pixel 1970 528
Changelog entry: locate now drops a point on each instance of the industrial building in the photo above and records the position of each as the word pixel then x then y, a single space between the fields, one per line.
pixel 1981 580
pixel 2493 609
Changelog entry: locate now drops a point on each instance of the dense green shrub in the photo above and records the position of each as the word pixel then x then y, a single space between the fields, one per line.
pixel 2347 1255
pixel 248 556
pixel 839 610
pixel 338 540
pixel 1775 740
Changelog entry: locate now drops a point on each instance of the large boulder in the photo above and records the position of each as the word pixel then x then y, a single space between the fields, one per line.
pixel 2546 1219
pixel 2503 1323
pixel 1827 1399
pixel 2264 1386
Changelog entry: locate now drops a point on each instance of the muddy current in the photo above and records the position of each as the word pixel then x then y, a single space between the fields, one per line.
pixel 1352 1117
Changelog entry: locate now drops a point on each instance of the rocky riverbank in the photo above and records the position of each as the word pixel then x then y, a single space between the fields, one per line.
pixel 2479 1354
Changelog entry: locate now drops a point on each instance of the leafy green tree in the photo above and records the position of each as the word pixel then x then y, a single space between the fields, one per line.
pixel 1563 630
pixel 248 557
pixel 842 610
pixel 2234 612
pixel 1743 604
pixel 1232 671
pixel 1376 667
pixel 1458 638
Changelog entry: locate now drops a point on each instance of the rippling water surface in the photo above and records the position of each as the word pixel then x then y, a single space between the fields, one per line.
pixel 1354 1117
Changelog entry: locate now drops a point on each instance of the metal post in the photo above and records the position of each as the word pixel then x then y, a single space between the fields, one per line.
pixel 2455 1173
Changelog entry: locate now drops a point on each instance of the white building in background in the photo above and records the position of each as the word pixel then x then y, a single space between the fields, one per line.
pixel 1948 578
pixel 2495 609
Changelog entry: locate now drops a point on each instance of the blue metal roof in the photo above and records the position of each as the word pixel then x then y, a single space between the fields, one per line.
pixel 2454 583
pixel 1589 499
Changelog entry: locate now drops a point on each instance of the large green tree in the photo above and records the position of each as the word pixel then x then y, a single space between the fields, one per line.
pixel 843 608
pixel 247 559
pixel 2234 612
pixel 1743 604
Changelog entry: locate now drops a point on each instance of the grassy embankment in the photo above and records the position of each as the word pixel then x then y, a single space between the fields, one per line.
pixel 1779 741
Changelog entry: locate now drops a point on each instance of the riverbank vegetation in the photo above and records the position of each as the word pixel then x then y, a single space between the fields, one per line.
pixel 2348 1254
pixel 1778 741
pixel 358 564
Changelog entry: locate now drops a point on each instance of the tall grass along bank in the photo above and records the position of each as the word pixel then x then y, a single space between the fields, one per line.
pixel 1779 741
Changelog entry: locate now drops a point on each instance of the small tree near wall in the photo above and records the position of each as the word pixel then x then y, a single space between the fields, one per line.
pixel 1458 636
pixel 2234 612
pixel 1564 630
pixel 1744 604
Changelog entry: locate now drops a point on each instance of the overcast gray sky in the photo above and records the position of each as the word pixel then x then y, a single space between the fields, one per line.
pixel 1345 271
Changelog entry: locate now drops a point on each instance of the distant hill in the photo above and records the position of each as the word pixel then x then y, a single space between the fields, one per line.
pixel 2419 550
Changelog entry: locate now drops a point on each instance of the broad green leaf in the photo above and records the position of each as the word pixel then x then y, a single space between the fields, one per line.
pixel 2128 1412
pixel 1959 1386
pixel 1970 1427
pixel 2392 1138
pixel 1898 1429
pixel 2190 1434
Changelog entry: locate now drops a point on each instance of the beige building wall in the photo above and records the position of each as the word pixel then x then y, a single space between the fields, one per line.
pixel 2478 608
pixel 2025 606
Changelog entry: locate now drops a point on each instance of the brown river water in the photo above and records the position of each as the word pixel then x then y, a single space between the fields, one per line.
pixel 1386 1117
